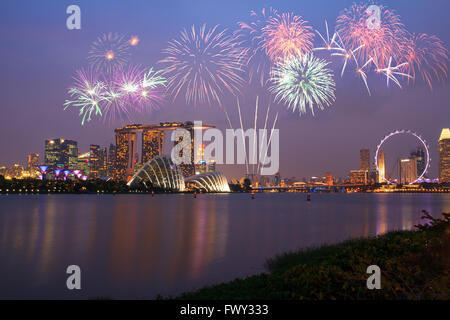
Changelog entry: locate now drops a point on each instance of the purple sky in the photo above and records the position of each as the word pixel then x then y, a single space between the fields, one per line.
pixel 39 57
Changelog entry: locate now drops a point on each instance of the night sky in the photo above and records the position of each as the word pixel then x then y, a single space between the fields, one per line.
pixel 39 56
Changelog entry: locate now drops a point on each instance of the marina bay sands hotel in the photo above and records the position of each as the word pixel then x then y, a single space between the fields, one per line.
pixel 153 140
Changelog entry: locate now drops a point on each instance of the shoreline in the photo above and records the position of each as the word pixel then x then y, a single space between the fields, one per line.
pixel 414 265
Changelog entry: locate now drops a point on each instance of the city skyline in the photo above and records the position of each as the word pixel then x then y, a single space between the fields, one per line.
pixel 355 121
pixel 100 162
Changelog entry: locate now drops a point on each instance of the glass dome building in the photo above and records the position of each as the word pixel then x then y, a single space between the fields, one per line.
pixel 160 172
pixel 208 182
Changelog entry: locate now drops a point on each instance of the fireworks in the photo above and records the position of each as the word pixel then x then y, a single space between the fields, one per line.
pixel 128 89
pixel 427 57
pixel 286 35
pixel 386 39
pixel 303 80
pixel 250 37
pixel 134 40
pixel 109 52
pixel 88 93
pixel 203 62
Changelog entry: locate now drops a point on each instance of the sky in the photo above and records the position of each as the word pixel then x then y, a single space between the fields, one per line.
pixel 39 57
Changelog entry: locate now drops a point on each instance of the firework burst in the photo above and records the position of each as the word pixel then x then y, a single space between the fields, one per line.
pixel 203 62
pixel 386 40
pixel 286 35
pixel 88 94
pixel 250 37
pixel 427 57
pixel 109 52
pixel 303 81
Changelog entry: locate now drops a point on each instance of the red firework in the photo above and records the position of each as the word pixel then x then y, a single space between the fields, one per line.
pixel 427 57
pixel 384 41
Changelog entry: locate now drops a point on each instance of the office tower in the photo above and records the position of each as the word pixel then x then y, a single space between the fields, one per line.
pixel 381 167
pixel 70 150
pixel 103 163
pixel 61 152
pixel 407 170
pixel 126 140
pixel 359 177
pixel 94 161
pixel 111 159
pixel 364 159
pixel 53 154
pixel 152 144
pixel 33 161
pixel 444 156
pixel 83 163
pixel 420 157
pixel 329 178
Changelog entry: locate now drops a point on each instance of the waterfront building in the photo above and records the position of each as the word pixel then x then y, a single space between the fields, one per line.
pixel 444 155
pixel 364 159
pixel 407 170
pixel 33 161
pixel 359 177
pixel 94 161
pixel 419 155
pixel 83 163
pixel 159 172
pixel 111 160
pixel 153 139
pixel 61 152
pixel 381 167
pixel 208 182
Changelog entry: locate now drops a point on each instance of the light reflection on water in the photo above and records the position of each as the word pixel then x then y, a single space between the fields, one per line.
pixel 138 246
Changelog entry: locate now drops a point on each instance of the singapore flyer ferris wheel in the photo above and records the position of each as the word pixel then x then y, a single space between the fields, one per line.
pixel 420 175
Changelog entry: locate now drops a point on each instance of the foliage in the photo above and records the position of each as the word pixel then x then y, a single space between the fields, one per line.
pixel 414 265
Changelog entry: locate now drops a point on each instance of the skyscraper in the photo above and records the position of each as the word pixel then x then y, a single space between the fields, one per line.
pixel 111 159
pixel 444 155
pixel 381 167
pixel 61 152
pixel 97 161
pixel 33 161
pixel 126 140
pixel 364 159
pixel 407 170
pixel 152 144
pixel 103 163
pixel 419 155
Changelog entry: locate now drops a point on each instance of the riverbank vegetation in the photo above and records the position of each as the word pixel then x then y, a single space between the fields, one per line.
pixel 414 265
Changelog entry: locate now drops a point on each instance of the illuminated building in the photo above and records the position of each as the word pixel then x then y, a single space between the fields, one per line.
pixel 62 152
pixel 364 159
pixel 111 162
pixel 2 171
pixel 359 177
pixel 70 151
pixel 381 167
pixel 420 157
pixel 407 170
pixel 153 138
pixel 152 144
pixel 329 178
pixel 208 182
pixel 83 163
pixel 103 163
pixel 94 161
pixel 444 156
pixel 33 161
pixel 159 172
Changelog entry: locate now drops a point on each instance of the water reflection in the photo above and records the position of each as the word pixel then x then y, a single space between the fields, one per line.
pixel 138 246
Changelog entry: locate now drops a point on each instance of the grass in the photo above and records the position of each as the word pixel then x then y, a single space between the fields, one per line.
pixel 414 265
